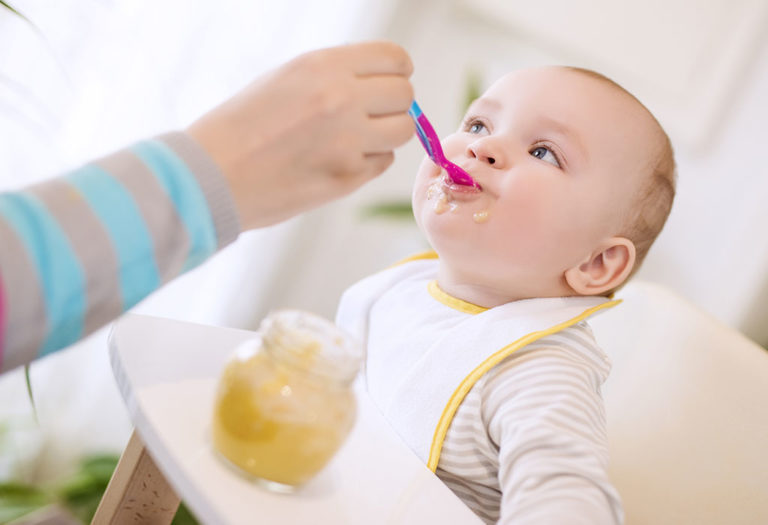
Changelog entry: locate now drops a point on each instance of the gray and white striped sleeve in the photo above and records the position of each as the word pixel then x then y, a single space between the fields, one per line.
pixel 545 413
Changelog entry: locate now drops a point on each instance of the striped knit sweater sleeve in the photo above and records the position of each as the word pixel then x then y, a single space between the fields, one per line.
pixel 77 251
pixel 553 447
pixel 529 445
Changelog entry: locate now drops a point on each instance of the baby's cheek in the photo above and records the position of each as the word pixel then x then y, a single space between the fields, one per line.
pixel 453 146
pixel 427 168
pixel 425 176
pixel 526 228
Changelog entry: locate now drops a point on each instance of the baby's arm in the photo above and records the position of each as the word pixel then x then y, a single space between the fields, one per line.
pixel 544 411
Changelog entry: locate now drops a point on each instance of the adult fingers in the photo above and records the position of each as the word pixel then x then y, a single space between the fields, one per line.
pixel 384 95
pixel 376 163
pixel 376 58
pixel 383 134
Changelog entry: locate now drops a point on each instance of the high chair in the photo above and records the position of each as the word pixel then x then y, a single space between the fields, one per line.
pixel 687 407
pixel 687 425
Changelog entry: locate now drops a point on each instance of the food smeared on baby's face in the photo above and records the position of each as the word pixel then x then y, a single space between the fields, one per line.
pixel 438 191
pixel 443 202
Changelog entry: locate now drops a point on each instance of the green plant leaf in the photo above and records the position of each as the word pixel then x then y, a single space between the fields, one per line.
pixel 83 506
pixel 184 516
pixel 17 499
pixel 29 390
pixel 12 10
pixel 473 88
pixel 400 210
pixel 93 475
pixel 100 466
pixel 81 493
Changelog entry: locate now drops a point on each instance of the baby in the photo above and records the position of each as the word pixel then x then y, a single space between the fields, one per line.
pixel 481 358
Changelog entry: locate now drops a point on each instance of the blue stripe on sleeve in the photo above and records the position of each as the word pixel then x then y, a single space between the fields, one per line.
pixel 59 270
pixel 185 193
pixel 116 209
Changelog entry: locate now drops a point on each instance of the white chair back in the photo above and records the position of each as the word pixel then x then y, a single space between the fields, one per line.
pixel 687 405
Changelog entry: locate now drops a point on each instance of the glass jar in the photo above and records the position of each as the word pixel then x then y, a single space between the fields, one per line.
pixel 284 403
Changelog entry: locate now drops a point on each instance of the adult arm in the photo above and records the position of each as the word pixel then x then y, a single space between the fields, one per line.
pixel 78 250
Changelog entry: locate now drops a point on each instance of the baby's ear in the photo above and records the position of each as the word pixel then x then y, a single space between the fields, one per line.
pixel 606 268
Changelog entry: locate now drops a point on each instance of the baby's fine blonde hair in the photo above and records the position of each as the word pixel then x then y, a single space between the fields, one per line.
pixel 653 201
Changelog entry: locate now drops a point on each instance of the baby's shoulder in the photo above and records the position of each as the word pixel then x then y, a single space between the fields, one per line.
pixel 570 353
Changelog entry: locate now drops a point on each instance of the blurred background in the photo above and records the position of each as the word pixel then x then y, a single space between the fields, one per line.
pixel 82 78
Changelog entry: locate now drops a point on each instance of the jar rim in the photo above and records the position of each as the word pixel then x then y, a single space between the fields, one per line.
pixel 313 344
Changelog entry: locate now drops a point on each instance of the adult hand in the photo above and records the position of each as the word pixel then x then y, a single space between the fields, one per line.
pixel 314 129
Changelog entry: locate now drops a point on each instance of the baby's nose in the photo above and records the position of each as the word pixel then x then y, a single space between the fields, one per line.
pixel 484 152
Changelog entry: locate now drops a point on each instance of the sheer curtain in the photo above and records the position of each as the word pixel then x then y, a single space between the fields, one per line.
pixel 88 77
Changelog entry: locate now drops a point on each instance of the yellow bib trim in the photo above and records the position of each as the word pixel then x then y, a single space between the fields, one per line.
pixel 453 302
pixel 466 385
pixel 416 257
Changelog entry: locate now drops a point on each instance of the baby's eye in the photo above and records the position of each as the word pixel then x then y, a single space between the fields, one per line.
pixel 545 154
pixel 474 126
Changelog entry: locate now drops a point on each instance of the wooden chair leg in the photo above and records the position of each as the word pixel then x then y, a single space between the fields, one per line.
pixel 138 492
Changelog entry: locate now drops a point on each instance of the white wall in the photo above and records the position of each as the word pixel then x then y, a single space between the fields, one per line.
pixel 714 249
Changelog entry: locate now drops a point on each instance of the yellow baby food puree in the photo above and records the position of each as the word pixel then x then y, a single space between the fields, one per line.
pixel 276 421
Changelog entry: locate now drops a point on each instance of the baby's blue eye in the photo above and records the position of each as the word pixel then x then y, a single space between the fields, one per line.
pixel 476 127
pixel 545 154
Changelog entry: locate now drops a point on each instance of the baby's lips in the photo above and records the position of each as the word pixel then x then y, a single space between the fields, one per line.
pixel 476 188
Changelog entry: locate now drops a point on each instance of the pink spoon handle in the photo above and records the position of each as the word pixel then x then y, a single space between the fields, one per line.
pixel 431 143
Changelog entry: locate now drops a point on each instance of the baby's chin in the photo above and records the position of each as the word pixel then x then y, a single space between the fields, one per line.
pixel 446 233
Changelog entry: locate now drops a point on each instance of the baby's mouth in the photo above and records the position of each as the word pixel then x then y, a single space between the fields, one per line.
pixel 459 191
pixel 446 194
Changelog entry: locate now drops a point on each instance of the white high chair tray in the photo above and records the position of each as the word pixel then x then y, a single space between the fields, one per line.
pixel 167 371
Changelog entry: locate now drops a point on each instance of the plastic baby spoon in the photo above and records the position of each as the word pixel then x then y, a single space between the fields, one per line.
pixel 431 143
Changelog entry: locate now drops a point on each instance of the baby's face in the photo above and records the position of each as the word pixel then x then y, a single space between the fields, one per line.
pixel 558 155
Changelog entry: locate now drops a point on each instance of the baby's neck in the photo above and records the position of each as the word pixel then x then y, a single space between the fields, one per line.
pixel 489 295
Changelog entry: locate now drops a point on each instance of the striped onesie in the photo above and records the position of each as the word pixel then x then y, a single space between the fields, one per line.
pixel 527 443
pixel 78 250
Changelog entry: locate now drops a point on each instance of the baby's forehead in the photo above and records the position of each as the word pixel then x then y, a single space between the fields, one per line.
pixel 584 101
pixel 564 81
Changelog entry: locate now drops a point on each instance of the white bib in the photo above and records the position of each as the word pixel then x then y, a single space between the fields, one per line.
pixel 426 393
